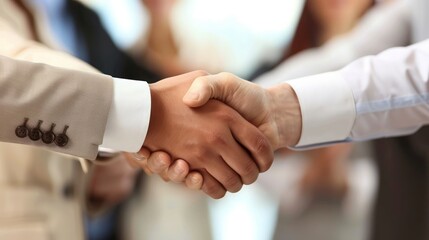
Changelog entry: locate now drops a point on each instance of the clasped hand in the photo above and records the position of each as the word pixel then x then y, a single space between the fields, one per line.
pixel 217 132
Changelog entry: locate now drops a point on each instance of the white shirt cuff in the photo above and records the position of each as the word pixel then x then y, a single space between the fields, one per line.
pixel 327 107
pixel 129 116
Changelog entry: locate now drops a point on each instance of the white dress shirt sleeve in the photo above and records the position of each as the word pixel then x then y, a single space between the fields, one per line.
pixel 327 108
pixel 373 97
pixel 129 116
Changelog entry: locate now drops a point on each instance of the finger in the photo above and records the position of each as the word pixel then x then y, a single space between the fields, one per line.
pixel 211 186
pixel 254 141
pixel 131 160
pixel 140 158
pixel 178 171
pixel 138 162
pixel 164 176
pixel 240 161
pixel 145 167
pixel 159 162
pixel 144 153
pixel 194 180
pixel 223 173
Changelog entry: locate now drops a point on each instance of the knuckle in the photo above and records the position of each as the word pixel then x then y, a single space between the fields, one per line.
pixel 261 144
pixel 226 76
pixel 232 183
pixel 200 156
pixel 225 115
pixel 216 138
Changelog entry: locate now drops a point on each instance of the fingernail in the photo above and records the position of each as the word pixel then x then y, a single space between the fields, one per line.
pixel 195 179
pixel 177 170
pixel 139 157
pixel 192 96
pixel 160 164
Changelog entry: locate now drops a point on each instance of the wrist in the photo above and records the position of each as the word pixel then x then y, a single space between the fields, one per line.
pixel 286 114
pixel 155 115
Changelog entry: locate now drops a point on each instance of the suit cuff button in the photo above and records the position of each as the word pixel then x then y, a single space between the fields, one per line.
pixel 49 136
pixel 35 134
pixel 62 139
pixel 22 130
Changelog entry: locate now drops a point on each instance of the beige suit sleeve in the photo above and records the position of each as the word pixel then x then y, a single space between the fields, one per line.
pixel 53 95
pixel 57 96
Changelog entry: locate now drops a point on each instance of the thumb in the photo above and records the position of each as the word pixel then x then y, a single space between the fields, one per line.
pixel 208 87
pixel 202 90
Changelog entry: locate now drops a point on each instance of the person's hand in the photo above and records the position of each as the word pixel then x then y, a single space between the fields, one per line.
pixel 162 165
pixel 111 183
pixel 213 139
pixel 274 111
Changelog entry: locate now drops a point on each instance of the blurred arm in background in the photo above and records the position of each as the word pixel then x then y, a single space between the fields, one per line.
pixel 160 51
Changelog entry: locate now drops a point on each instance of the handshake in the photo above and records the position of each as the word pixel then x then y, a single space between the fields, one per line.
pixel 217 132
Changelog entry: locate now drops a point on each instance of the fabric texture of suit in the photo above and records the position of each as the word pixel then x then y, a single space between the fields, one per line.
pixel 54 96
pixel 79 100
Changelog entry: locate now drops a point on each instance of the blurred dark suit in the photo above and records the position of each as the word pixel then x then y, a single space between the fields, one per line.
pixel 401 210
pixel 102 52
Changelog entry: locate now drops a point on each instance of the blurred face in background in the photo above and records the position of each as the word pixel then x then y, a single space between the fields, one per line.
pixel 334 12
